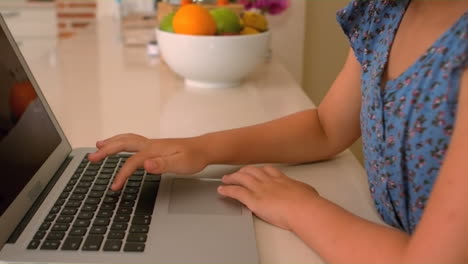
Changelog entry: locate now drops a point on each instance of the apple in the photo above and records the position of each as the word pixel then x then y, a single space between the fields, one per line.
pixel 227 21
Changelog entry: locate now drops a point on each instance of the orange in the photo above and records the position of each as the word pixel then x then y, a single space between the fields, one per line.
pixel 193 19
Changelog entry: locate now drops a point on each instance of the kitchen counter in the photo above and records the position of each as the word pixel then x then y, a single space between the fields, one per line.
pixel 98 88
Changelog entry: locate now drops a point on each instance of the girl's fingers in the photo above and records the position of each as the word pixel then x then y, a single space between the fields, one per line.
pixel 256 172
pixel 239 193
pixel 116 146
pixel 272 171
pixel 131 165
pixel 242 179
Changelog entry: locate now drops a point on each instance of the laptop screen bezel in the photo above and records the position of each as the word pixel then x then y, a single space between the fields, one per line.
pixel 24 200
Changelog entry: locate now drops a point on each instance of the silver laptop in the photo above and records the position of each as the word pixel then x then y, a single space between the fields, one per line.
pixel 56 206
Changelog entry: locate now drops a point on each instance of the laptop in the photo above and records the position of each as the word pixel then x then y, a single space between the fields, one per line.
pixel 56 206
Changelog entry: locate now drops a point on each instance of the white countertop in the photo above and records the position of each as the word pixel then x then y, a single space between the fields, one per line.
pixel 98 88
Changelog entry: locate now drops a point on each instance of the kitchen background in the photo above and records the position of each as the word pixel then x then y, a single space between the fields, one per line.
pixel 306 38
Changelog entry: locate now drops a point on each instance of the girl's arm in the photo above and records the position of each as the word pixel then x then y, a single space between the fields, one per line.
pixel 301 137
pixel 341 237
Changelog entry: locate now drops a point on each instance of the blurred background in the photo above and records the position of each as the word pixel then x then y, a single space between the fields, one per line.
pixel 305 38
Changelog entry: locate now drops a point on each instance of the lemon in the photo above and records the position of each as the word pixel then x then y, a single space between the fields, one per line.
pixel 255 20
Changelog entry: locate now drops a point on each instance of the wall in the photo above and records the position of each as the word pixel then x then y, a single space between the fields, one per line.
pixel 326 48
pixel 288 37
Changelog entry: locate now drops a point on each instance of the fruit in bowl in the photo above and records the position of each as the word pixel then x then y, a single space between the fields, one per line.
pixel 212 48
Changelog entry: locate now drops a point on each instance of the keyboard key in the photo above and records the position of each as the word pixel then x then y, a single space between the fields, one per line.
pixel 65 219
pixel 110 165
pixel 85 215
pixel 131 190
pixel 55 210
pixel 73 204
pixel 94 166
pixel 45 226
pixel 111 193
pixel 124 210
pixel 78 231
pixel 64 195
pixel 84 184
pixel 108 206
pixel 81 223
pixel 129 196
pixel 55 235
pixel 93 243
pixel 141 220
pixel 135 178
pixel 112 245
pixel 72 182
pixel 111 199
pixel 116 234
pixel 50 217
pixel 34 244
pixel 90 172
pixel 105 214
pixel 138 173
pixel 107 170
pixel 81 190
pixel 134 247
pixel 99 188
pixel 101 222
pixel 127 203
pixel 88 178
pixel 122 218
pixel 96 194
pixel 76 196
pixel 60 227
pixel 139 229
pixel 59 202
pixel 89 208
pixel 113 159
pixel 98 230
pixel 92 200
pixel 104 176
pixel 69 211
pixel 147 198
pixel 72 243
pixel 137 237
pixel 119 226
pixel 101 182
pixel 39 234
pixel 153 177
pixel 133 184
pixel 50 245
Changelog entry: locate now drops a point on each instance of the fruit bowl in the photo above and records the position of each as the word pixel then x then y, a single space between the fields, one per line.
pixel 213 61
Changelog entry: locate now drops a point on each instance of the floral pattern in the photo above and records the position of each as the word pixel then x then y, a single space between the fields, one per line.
pixel 406 123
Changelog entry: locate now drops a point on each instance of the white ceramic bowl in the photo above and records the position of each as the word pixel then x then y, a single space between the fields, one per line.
pixel 213 61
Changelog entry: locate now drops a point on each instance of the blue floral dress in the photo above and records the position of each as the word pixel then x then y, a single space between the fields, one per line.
pixel 407 124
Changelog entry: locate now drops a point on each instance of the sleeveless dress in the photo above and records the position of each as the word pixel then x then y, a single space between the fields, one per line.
pixel 407 124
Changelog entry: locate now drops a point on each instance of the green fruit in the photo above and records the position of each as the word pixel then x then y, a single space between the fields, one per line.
pixel 227 21
pixel 166 23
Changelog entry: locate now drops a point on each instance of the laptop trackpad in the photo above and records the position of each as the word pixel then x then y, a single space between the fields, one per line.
pixel 199 196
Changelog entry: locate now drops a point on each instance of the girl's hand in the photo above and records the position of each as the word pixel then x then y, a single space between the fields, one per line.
pixel 269 194
pixel 184 156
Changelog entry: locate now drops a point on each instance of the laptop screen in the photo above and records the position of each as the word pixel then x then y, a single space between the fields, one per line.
pixel 27 135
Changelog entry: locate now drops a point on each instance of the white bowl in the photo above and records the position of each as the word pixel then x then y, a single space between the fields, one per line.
pixel 213 61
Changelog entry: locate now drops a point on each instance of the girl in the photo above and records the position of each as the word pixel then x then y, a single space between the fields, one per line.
pixel 404 89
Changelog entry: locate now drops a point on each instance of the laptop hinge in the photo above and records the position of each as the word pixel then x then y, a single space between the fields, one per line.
pixel 40 199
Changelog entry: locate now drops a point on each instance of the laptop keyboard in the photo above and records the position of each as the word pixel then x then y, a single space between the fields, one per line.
pixel 88 216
